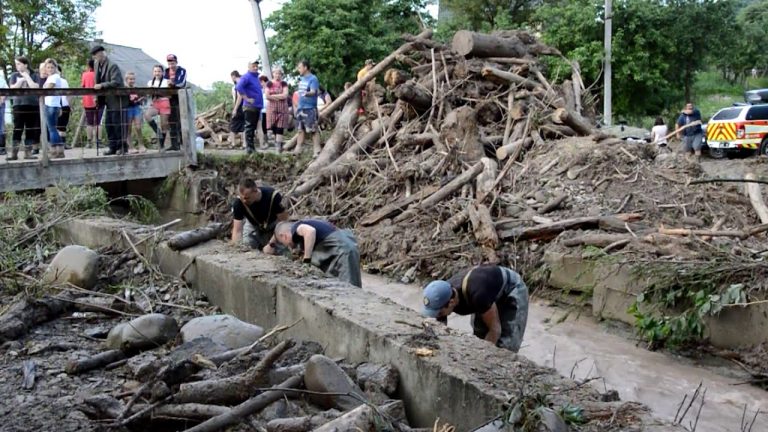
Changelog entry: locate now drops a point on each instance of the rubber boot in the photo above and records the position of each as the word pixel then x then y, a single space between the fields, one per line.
pixel 14 154
pixel 279 146
pixel 161 144
pixel 29 153
pixel 2 143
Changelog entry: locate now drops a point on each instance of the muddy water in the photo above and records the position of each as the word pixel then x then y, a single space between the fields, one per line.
pixel 582 348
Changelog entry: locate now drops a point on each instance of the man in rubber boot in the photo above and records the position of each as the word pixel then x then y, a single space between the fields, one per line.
pixel 332 250
pixel 255 213
pixel 495 296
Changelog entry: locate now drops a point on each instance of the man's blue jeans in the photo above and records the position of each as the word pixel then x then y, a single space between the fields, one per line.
pixel 51 119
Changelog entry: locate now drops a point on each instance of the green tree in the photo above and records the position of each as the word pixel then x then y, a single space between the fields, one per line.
pixel 486 15
pixel 220 92
pixel 336 36
pixel 658 45
pixel 45 28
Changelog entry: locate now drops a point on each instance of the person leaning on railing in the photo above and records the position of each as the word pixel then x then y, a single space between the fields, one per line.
pixel 53 109
pixel 109 76
pixel 177 78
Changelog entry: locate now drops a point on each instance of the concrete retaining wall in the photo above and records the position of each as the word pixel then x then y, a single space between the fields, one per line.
pixel 465 381
pixel 614 289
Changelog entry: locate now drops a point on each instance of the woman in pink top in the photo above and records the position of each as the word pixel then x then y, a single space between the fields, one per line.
pixel 161 106
pixel 277 109
pixel 92 111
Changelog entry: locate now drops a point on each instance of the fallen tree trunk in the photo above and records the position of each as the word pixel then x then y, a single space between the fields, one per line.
pixel 397 207
pixel 452 187
pixel 251 406
pixel 471 44
pixel 512 148
pixel 232 389
pixel 573 120
pixel 745 234
pixel 756 198
pixel 498 75
pixel 193 237
pixel 415 96
pixel 30 312
pixel 331 149
pixel 550 231
pixel 102 359
pixel 597 240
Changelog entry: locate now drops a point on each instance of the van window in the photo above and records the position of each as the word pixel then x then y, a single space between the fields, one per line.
pixel 758 112
pixel 727 114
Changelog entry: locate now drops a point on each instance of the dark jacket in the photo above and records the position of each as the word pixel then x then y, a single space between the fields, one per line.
pixel 180 80
pixel 108 74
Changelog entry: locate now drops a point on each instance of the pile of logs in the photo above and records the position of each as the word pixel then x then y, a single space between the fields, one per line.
pixel 286 387
pixel 213 126
pixel 454 123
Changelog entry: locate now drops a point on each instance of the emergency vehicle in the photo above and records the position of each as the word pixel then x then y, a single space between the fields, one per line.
pixel 738 128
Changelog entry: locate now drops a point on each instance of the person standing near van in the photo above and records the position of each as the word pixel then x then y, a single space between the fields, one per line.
pixel 689 130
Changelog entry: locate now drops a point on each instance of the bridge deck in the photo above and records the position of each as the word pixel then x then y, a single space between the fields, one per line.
pixel 83 166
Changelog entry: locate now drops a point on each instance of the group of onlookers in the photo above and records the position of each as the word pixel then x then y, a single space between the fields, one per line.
pixel 123 115
pixel 259 100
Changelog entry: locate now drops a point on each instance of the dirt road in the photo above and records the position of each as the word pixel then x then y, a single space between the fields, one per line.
pixel 582 348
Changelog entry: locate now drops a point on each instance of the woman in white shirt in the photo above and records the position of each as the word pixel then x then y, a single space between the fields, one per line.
pixel 53 109
pixel 659 133
pixel 160 105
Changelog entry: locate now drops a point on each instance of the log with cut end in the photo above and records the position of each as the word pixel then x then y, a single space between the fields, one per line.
pixel 513 148
pixel 573 120
pixel 415 95
pixel 756 198
pixel 196 236
pixel 471 44
pixel 251 406
pixel 232 389
pixel 487 179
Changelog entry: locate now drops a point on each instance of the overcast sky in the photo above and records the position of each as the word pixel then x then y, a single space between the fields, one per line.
pixel 209 41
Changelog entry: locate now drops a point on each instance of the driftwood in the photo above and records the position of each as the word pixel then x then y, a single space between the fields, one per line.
pixel 500 76
pixel 598 240
pixel 397 207
pixel 550 231
pixel 99 360
pixel 190 411
pixel 365 418
pixel 452 187
pixel 518 44
pixel 302 424
pixel 745 234
pixel 251 406
pixel 196 236
pixel 29 312
pixel 232 389
pixel 553 204
pixel 573 120
pixel 756 198
pixel 513 147
pixel 415 95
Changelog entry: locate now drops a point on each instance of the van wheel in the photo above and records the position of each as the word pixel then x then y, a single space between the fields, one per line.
pixel 717 153
pixel 764 147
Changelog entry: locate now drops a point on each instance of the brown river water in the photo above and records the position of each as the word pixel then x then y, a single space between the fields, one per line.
pixel 582 348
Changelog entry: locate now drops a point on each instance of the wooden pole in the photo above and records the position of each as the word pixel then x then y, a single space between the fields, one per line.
pixel 187 118
pixel 43 133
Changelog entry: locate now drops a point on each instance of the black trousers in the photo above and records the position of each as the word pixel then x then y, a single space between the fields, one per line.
pixel 115 121
pixel 174 123
pixel 252 116
pixel 26 121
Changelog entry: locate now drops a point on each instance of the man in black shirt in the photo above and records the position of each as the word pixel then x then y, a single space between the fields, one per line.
pixel 495 296
pixel 323 245
pixel 256 211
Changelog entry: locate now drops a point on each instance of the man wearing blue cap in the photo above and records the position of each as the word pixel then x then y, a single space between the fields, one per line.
pixel 495 296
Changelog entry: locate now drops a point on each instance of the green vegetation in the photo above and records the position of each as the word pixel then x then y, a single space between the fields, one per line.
pixel 672 311
pixel 46 28
pixel 336 36
pixel 221 92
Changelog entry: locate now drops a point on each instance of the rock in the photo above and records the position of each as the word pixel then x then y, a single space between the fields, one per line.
pixel 300 353
pixel 77 265
pixel 324 375
pixel 382 375
pixel 374 394
pixel 223 329
pixel 610 396
pixel 552 422
pixel 202 345
pixel 513 210
pixel 144 365
pixel 144 332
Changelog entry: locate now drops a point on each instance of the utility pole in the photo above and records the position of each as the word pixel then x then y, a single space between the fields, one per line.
pixel 607 75
pixel 266 66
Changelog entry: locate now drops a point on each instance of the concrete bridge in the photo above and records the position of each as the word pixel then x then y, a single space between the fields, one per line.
pixel 89 166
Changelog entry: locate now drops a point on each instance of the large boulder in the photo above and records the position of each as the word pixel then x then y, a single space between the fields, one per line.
pixel 77 265
pixel 144 332
pixel 323 375
pixel 223 329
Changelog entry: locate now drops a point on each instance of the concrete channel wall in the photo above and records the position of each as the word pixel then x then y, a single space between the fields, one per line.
pixel 465 381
